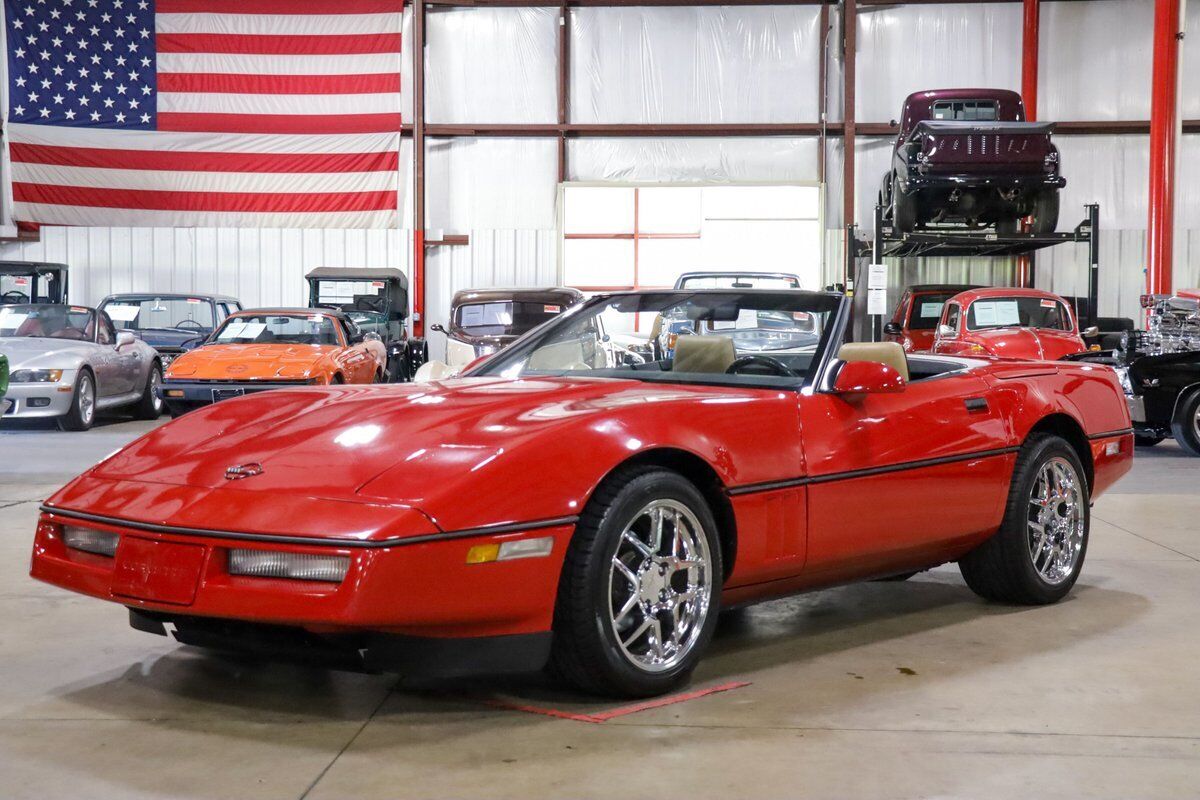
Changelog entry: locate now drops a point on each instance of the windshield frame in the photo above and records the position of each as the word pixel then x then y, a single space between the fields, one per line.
pixel 338 332
pixel 95 320
pixel 969 314
pixel 138 298
pixel 833 330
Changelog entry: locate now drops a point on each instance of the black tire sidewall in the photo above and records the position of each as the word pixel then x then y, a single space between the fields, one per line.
pixel 1016 521
pixel 634 496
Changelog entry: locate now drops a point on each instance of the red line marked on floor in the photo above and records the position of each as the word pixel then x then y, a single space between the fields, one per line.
pixel 620 711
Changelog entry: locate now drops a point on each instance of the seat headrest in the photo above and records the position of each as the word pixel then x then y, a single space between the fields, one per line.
pixel 888 353
pixel 710 354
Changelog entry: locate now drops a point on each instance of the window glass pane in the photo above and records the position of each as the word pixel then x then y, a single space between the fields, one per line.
pixel 764 245
pixel 761 202
pixel 670 209
pixel 661 261
pixel 598 210
pixel 598 262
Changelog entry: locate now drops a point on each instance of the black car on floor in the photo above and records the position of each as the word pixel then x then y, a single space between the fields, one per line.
pixel 170 323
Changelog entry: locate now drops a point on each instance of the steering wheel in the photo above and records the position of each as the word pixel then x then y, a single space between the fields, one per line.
pixel 375 304
pixel 188 323
pixel 774 365
pixel 14 297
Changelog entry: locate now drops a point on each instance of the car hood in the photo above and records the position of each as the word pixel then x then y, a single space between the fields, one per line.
pixel 462 453
pixel 27 353
pixel 248 361
pixel 1036 344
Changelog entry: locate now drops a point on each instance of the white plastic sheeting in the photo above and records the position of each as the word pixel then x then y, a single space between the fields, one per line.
pixel 491 182
pixel 906 48
pixel 692 159
pixel 702 65
pixel 492 65
pixel 1115 40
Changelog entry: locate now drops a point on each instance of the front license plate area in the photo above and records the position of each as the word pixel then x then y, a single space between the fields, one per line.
pixel 225 394
pixel 162 572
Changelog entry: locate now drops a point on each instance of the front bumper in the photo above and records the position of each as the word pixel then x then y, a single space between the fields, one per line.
pixel 424 589
pixel 969 180
pixel 183 396
pixel 40 400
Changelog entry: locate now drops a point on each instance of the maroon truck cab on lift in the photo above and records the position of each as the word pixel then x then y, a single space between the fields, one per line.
pixel 968 156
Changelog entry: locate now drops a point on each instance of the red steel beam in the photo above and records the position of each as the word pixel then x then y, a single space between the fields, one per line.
pixel 1164 129
pixel 849 47
pixel 1029 93
pixel 418 134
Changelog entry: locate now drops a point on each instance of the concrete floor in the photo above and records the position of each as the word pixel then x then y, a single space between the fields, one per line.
pixel 881 690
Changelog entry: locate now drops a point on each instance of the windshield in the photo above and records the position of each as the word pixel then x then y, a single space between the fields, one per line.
pixel 277 329
pixel 782 331
pixel 927 310
pixel 736 281
pixel 48 321
pixel 1024 312
pixel 505 318
pixel 144 313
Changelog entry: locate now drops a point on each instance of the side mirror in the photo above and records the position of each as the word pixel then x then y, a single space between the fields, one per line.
pixel 946 332
pixel 893 329
pixel 1092 331
pixel 125 338
pixel 867 377
pixel 437 326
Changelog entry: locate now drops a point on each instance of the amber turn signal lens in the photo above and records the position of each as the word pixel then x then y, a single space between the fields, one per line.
pixel 483 553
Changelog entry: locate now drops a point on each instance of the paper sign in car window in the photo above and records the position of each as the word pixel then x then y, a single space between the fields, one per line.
pixel 11 320
pixel 252 330
pixel 551 309
pixel 931 310
pixel 122 313
pixel 1048 304
pixel 233 330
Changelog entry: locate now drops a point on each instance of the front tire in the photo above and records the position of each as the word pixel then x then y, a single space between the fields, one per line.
pixel 1186 424
pixel 640 587
pixel 904 209
pixel 82 413
pixel 1036 556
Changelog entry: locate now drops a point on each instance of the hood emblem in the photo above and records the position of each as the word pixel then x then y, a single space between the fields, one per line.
pixel 240 471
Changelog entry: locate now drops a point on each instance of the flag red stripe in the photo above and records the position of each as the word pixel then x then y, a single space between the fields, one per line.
pixel 224 83
pixel 192 161
pixel 266 44
pixel 278 123
pixel 242 202
pixel 300 7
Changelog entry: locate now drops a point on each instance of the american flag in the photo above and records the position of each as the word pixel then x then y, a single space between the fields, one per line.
pixel 221 113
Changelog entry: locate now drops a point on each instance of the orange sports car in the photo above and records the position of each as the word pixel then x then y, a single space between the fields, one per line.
pixel 269 348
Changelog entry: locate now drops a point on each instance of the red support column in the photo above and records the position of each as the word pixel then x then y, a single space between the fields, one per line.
pixel 418 272
pixel 849 51
pixel 1029 94
pixel 1164 129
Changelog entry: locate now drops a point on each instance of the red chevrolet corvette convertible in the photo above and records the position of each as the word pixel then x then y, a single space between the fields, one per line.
pixel 573 503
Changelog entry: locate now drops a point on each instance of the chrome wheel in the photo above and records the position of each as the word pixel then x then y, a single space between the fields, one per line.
pixel 155 380
pixel 660 586
pixel 87 400
pixel 1056 521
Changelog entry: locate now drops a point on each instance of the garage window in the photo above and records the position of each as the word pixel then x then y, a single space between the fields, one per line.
pixel 618 237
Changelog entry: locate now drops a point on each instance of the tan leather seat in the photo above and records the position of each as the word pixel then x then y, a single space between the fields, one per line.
pixel 711 354
pixel 889 353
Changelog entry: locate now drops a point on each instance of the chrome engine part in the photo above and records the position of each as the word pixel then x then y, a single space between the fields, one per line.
pixel 1173 327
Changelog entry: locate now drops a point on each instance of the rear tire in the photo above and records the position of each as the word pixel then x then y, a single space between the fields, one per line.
pixel 904 209
pixel 1036 556
pixel 82 414
pixel 1045 212
pixel 1146 441
pixel 151 405
pixel 633 619
pixel 1186 424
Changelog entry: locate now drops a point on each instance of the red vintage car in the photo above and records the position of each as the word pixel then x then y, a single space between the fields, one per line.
pixel 572 503
pixel 1009 323
pixel 917 315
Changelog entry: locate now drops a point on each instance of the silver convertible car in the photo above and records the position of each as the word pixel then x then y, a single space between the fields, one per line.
pixel 68 362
